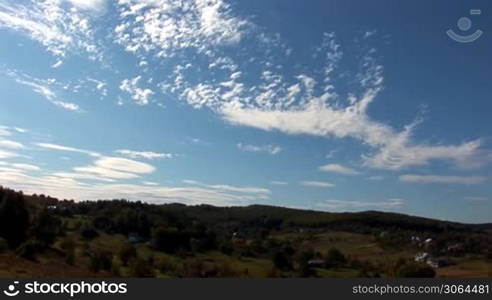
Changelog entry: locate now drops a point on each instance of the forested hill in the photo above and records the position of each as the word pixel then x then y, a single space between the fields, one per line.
pixel 271 217
pixel 46 237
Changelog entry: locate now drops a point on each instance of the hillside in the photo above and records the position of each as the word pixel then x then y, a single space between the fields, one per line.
pixel 46 237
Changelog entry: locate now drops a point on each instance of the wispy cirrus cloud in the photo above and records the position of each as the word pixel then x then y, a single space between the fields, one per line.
pixel 8 144
pixel 96 5
pixel 20 166
pixel 357 205
pixel 115 168
pixel 414 178
pixel 7 154
pixel 65 187
pixel 4 131
pixel 144 154
pixel 340 169
pixel 43 88
pixel 277 182
pixel 477 198
pixel 297 102
pixel 270 149
pixel 54 24
pixel 318 184
pixel 57 147
pixel 229 188
pixel 311 104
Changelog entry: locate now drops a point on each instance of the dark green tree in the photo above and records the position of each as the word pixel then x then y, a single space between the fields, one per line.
pixel 14 217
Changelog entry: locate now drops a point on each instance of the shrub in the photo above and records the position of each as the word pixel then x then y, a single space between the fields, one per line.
pixel 140 268
pixel 101 260
pixel 334 258
pixel 14 217
pixel 127 253
pixel 4 246
pixel 88 232
pixel 281 261
pixel 30 248
pixel 46 227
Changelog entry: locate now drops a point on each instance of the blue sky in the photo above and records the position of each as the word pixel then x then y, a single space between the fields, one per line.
pixel 327 105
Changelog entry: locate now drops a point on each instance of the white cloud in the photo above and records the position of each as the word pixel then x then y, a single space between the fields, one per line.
pixel 42 87
pixel 112 168
pixel 476 198
pixel 57 64
pixel 307 104
pixel 104 173
pixel 52 24
pixel 320 184
pixel 358 205
pixel 271 149
pixel 141 96
pixel 24 167
pixel 96 5
pixel 7 154
pixel 65 148
pixel 144 154
pixel 229 188
pixel 277 182
pixel 20 130
pixel 375 178
pixel 8 144
pixel 164 26
pixel 4 131
pixel 124 165
pixel 317 117
pixel 82 175
pixel 101 86
pixel 398 153
pixel 412 178
pixel 336 168
pixel 65 187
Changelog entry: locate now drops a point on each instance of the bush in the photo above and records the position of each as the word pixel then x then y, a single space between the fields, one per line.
pixel 30 248
pixel 169 240
pixel 101 260
pixel 88 232
pixel 68 246
pixel 46 227
pixel 140 268
pixel 4 246
pixel 127 253
pixel 166 265
pixel 14 217
pixel 281 261
pixel 335 259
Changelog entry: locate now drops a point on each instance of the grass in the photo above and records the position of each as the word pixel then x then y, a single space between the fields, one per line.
pixel 467 268
pixel 363 247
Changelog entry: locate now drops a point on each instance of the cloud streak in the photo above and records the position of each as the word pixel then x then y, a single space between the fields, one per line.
pixel 318 184
pixel 443 179
pixel 58 28
pixel 144 154
pixel 357 205
pixel 56 147
pixel 339 169
pixel 270 149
